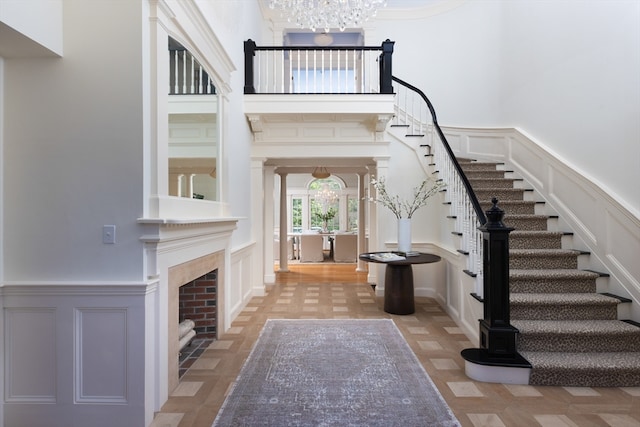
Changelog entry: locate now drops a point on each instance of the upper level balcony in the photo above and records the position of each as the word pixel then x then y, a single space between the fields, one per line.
pixel 291 93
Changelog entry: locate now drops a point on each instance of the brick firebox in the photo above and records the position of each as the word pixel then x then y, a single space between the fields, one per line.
pixel 198 301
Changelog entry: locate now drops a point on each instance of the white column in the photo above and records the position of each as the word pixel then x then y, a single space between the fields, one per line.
pixel 181 185
pixel 175 180
pixel 190 186
pixel 264 210
pixel 284 258
pixel 362 247
pixel 377 232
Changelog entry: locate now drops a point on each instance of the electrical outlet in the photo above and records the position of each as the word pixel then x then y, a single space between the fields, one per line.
pixel 108 234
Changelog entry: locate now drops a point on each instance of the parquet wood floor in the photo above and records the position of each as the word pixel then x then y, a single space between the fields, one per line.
pixel 337 291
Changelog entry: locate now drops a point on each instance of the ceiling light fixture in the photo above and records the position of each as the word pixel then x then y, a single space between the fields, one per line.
pixel 326 196
pixel 320 172
pixel 323 39
pixel 327 14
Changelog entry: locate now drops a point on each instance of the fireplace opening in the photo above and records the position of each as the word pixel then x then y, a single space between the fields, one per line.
pixel 197 318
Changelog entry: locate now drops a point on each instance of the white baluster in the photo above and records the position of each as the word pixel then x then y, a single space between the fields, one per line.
pixel 297 84
pixel 184 71
pixel 258 63
pixel 356 86
pixel 322 71
pixel 337 71
pixel 315 71
pixel 346 71
pixel 330 69
pixel 275 78
pixel 291 71
pixel 191 75
pixel 175 64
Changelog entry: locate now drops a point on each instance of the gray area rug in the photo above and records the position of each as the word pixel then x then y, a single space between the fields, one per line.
pixel 333 373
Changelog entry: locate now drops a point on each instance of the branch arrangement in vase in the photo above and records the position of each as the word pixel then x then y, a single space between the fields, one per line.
pixel 326 216
pixel 405 208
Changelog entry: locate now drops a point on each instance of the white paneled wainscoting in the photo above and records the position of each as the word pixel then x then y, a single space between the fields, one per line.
pixel 75 353
pixel 106 354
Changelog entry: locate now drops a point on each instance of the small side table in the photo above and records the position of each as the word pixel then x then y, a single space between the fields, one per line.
pixel 398 281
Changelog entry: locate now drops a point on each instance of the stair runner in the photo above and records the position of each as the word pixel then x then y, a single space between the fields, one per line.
pixel 567 331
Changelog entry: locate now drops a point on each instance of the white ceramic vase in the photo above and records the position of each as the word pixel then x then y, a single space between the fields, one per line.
pixel 404 235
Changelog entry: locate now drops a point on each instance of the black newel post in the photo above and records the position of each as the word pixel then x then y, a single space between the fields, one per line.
pixel 497 336
pixel 496 333
pixel 385 67
pixel 249 53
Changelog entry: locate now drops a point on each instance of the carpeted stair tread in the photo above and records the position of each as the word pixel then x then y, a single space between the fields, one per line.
pixel 557 274
pixel 482 183
pixel 552 281
pixel 576 327
pixel 551 299
pixel 513 207
pixel 492 174
pixel 577 335
pixel 524 216
pixel 527 222
pixel 500 193
pixel 592 369
pixel 547 251
pixel 535 239
pixel 560 306
pixel 475 166
pixel 543 258
pixel 540 284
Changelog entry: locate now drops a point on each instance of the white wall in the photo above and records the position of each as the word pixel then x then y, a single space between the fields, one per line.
pixel 571 80
pixel 234 22
pixel 453 57
pixel 565 73
pixel 73 130
pixel 38 20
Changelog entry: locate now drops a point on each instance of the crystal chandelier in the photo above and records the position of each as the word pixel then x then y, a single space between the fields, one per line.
pixel 327 14
pixel 326 196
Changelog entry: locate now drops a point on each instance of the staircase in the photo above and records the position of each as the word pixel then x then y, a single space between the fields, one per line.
pixel 567 330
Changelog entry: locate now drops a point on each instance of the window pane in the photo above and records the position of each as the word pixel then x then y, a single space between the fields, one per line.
pixel 324 205
pixel 352 217
pixel 296 215
pixel 324 81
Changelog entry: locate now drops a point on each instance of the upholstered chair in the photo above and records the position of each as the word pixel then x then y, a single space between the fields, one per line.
pixel 345 248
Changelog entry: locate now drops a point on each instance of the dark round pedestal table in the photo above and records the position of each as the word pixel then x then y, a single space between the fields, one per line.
pixel 398 280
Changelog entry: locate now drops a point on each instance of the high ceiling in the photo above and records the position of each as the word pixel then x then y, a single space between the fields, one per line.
pixel 396 9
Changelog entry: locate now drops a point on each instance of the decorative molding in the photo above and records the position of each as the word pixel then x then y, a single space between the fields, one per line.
pixel 255 120
pixel 101 355
pixel 381 122
pixel 30 355
pixel 66 289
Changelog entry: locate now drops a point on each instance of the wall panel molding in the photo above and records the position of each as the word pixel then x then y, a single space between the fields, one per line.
pixel 101 355
pixel 30 359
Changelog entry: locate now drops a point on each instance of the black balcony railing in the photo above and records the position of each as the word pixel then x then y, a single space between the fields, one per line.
pixel 317 70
